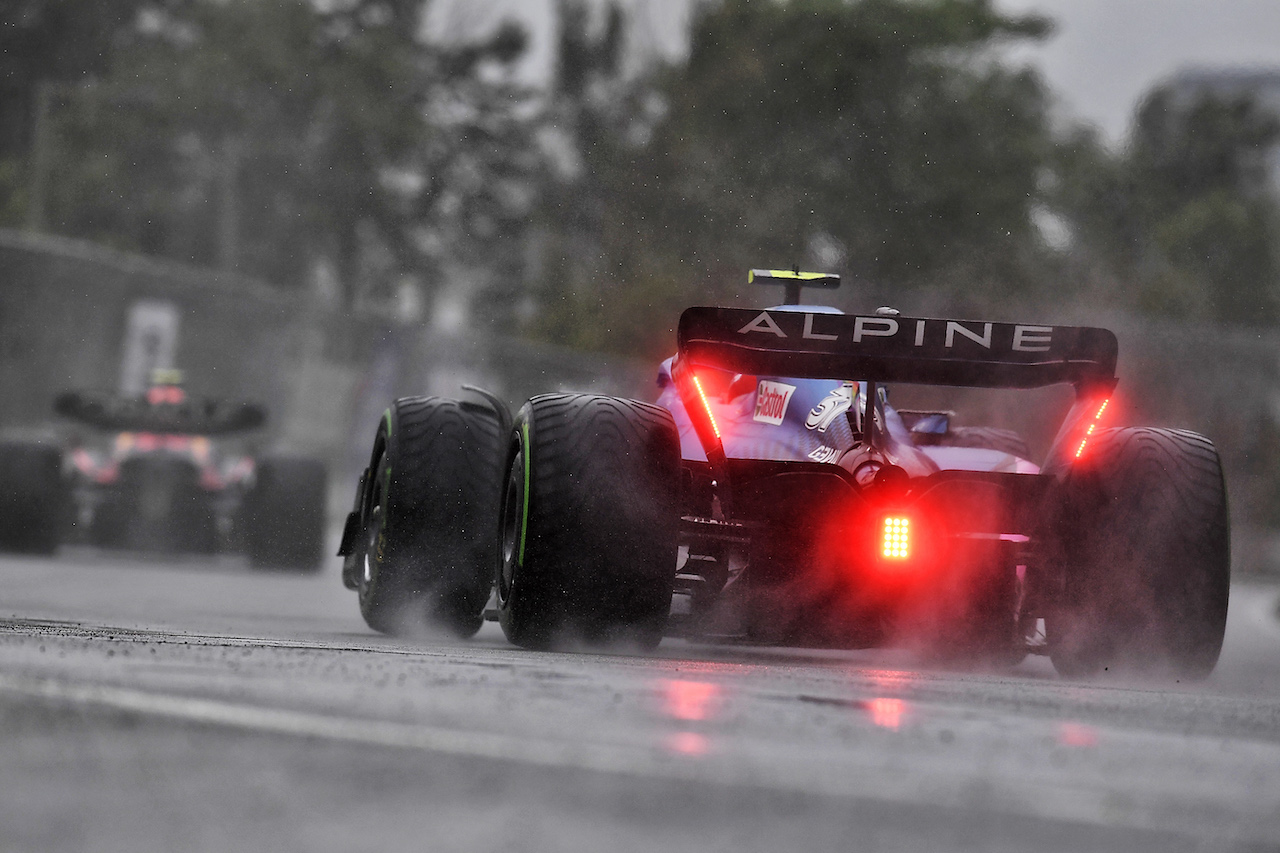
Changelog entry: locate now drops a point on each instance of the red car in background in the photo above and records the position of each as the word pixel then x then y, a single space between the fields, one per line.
pixel 159 473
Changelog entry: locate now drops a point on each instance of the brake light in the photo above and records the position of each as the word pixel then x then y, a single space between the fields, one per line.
pixel 159 395
pixel 1092 428
pixel 896 543
pixel 706 405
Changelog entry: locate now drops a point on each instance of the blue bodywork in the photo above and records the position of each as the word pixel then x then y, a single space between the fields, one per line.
pixel 745 437
pixel 796 420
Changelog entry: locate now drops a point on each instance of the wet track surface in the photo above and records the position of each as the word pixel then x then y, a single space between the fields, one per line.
pixel 152 704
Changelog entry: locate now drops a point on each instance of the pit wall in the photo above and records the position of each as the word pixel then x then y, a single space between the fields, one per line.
pixel 326 376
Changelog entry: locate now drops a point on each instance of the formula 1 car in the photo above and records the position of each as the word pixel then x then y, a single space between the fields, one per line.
pixel 161 481
pixel 773 495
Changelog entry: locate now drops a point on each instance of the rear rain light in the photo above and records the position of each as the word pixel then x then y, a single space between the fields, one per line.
pixel 1093 427
pixel 896 544
pixel 706 405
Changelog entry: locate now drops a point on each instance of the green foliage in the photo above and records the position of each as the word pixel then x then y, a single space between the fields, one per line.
pixel 882 139
pixel 880 127
pixel 270 137
pixel 1183 214
pixel 58 42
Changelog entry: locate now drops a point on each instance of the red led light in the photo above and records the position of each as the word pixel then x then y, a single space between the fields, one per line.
pixel 1092 427
pixel 896 544
pixel 706 405
pixel 158 395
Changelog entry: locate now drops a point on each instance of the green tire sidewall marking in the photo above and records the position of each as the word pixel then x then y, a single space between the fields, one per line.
pixel 386 497
pixel 386 486
pixel 524 504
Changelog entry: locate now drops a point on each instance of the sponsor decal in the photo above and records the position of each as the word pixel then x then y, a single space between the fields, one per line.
pixel 763 323
pixel 772 399
pixel 832 406
pixel 920 333
pixel 825 454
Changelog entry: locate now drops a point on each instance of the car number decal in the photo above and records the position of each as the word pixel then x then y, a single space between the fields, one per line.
pixel 832 406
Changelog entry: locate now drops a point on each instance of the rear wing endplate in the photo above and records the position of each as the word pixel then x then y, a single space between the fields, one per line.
pixel 896 349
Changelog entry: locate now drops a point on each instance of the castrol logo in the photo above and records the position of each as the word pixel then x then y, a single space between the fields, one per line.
pixel 772 399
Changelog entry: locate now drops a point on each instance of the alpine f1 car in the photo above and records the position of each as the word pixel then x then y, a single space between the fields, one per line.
pixel 773 495
pixel 159 479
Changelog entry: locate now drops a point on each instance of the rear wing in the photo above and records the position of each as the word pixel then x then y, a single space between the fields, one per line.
pixel 884 348
pixel 132 414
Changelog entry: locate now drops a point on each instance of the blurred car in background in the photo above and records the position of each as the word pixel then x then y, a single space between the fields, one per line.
pixel 162 472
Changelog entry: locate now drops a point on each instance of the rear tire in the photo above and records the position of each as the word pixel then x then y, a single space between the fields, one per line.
pixel 34 498
pixel 1145 549
pixel 430 534
pixel 590 518
pixel 284 514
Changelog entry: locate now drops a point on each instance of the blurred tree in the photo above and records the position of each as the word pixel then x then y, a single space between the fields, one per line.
pixel 1185 215
pixel 46 48
pixel 879 137
pixel 270 138
pixel 591 106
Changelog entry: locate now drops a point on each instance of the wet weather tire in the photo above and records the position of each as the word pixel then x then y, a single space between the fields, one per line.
pixel 284 514
pixel 1146 556
pixel 590 517
pixel 430 535
pixel 33 497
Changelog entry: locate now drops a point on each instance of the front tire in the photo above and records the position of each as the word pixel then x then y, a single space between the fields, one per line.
pixel 590 518
pixel 1145 548
pixel 431 518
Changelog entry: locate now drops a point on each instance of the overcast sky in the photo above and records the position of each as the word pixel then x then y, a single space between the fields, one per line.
pixel 1102 57
pixel 1106 53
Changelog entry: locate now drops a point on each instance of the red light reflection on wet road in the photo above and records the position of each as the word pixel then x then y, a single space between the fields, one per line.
pixel 1077 734
pixel 891 679
pixel 687 743
pixel 886 713
pixel 690 700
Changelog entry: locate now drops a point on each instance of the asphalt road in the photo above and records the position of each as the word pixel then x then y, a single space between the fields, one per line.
pixel 160 705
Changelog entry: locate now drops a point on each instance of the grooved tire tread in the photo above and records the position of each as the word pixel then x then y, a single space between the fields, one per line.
pixel 1150 579
pixel 440 517
pixel 600 551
